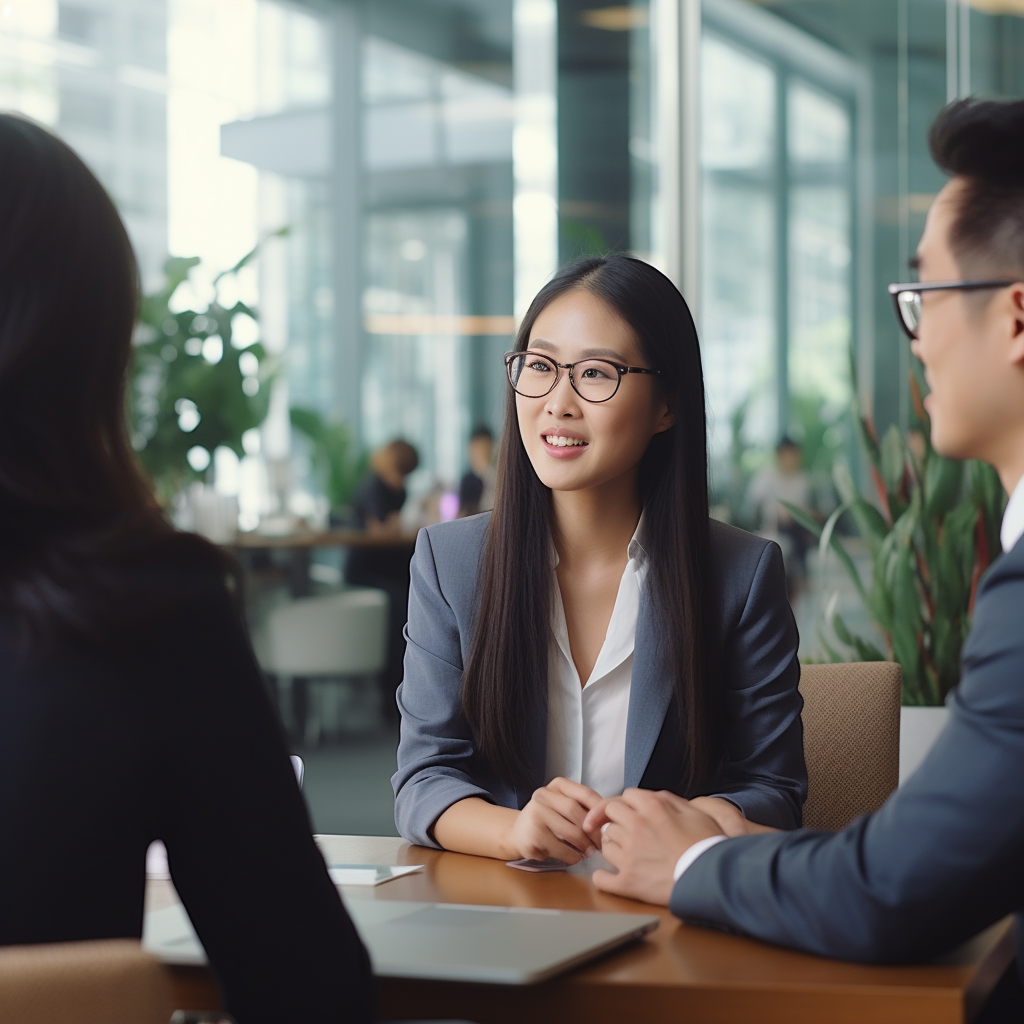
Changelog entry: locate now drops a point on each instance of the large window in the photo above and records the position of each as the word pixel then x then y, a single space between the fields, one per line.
pixel 777 268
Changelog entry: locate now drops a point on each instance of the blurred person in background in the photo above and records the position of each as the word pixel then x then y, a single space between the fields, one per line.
pixel 384 564
pixel 476 488
pixel 597 630
pixel 784 480
pixel 131 708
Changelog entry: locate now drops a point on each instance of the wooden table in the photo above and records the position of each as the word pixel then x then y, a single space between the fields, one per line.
pixel 678 974
pixel 299 545
pixel 304 539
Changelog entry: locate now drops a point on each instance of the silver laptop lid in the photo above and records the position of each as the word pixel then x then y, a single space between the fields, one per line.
pixel 447 942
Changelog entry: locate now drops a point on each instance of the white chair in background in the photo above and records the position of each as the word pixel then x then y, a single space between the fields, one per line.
pixel 338 636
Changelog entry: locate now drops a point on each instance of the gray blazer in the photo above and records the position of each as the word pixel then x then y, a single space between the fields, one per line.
pixel 764 771
pixel 941 860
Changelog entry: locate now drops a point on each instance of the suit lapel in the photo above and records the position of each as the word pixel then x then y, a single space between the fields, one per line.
pixel 650 693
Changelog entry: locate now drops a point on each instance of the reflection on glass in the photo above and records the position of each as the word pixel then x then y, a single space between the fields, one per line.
pixel 414 383
pixel 738 329
pixel 738 111
pixel 437 256
pixel 819 127
pixel 820 236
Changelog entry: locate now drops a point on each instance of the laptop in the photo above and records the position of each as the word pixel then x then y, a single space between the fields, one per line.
pixel 446 941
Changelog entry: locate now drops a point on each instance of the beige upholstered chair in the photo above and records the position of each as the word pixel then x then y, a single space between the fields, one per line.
pixel 851 739
pixel 106 982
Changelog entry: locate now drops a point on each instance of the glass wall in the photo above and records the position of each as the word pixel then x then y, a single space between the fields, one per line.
pixel 816 179
pixel 777 270
pixel 431 162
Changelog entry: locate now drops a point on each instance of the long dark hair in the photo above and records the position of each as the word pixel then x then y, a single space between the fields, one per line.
pixel 504 678
pixel 76 513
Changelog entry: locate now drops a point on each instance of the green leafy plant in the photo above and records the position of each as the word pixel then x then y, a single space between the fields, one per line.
pixel 192 389
pixel 933 532
pixel 337 463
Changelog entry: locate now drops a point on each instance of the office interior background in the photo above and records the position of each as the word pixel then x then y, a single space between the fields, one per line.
pixel 410 172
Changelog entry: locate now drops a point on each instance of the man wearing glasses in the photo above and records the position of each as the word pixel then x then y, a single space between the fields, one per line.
pixel 944 857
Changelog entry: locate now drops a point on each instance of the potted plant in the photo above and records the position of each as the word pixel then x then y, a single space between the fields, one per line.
pixel 931 532
pixel 193 387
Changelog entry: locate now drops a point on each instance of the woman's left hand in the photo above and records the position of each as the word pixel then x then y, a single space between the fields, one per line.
pixel 729 818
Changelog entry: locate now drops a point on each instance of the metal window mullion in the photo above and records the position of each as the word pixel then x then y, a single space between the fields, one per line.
pixel 782 247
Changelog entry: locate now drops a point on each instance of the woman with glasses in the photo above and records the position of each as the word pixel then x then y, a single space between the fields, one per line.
pixel 131 708
pixel 598 630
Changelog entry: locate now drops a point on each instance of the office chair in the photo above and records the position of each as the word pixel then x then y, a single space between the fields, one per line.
pixel 338 636
pixel 851 722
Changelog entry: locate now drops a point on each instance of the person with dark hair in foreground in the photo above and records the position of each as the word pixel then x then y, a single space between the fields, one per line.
pixel 597 630
pixel 131 708
pixel 944 857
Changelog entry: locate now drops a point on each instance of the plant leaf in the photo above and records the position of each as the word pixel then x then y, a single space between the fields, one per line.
pixel 829 528
pixel 803 517
pixel 892 462
pixel 943 484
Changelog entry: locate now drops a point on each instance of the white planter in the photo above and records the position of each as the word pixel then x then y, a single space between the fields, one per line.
pixel 919 729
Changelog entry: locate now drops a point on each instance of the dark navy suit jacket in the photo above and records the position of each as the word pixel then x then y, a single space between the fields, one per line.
pixel 764 771
pixel 941 860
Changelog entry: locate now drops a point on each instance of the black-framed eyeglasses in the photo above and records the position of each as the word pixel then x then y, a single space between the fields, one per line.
pixel 907 298
pixel 594 380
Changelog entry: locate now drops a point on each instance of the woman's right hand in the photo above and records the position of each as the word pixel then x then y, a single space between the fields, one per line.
pixel 551 824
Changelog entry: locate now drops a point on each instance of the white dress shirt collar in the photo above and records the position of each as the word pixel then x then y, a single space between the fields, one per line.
pixel 1013 518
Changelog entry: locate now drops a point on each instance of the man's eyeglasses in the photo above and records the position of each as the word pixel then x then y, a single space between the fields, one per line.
pixel 907 298
pixel 594 380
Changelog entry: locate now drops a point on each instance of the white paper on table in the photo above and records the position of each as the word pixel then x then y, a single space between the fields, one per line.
pixel 156 862
pixel 341 874
pixel 369 874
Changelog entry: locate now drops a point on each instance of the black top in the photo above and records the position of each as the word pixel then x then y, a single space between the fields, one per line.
pixel 471 490
pixel 374 499
pixel 377 566
pixel 101 754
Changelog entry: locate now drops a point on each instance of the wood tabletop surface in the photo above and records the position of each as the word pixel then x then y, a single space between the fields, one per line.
pixel 323 539
pixel 678 973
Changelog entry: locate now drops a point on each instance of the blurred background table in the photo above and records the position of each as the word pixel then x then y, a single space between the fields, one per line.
pixel 300 544
pixel 678 973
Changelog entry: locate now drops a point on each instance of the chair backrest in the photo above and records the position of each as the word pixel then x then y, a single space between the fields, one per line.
pixel 851 739
pixel 113 981
pixel 342 634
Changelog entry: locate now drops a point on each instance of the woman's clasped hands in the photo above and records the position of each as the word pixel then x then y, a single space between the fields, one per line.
pixel 551 824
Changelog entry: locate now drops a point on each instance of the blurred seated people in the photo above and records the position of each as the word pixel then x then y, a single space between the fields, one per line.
pixel 476 488
pixel 131 708
pixel 377 508
pixel 784 480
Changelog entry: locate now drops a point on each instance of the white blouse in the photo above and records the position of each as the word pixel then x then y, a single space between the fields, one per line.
pixel 586 737
pixel 1013 518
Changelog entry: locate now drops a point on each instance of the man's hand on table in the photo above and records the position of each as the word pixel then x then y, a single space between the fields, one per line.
pixel 643 835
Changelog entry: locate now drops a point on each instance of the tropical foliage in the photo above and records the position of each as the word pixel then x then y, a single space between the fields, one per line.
pixel 194 387
pixel 932 530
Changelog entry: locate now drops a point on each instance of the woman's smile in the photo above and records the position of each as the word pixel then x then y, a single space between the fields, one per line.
pixel 563 444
